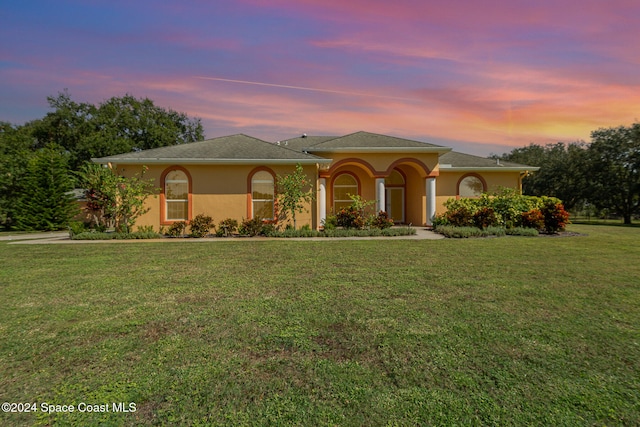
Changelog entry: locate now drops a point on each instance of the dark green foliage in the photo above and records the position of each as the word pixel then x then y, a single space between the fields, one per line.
pixel 460 217
pixel 485 217
pixel 522 231
pixel 295 193
pixel 251 227
pixel 176 229
pixel 330 222
pixel 118 125
pixel 137 235
pixel 563 170
pixel 15 152
pixel 350 217
pixel 555 217
pixel 227 227
pixel 604 175
pixel 380 221
pixel 614 172
pixel 46 203
pixel 466 232
pixel 200 225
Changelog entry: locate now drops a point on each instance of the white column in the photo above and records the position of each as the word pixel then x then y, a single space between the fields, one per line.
pixel 380 195
pixel 431 199
pixel 322 199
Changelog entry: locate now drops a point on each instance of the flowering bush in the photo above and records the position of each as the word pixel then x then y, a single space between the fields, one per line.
pixel 381 221
pixel 505 208
pixel 460 217
pixel 532 219
pixel 556 217
pixel 485 217
pixel 350 217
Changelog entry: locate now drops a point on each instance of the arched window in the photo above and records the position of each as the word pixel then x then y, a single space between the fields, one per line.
pixel 470 186
pixel 343 186
pixel 262 195
pixel 176 195
pixel 395 179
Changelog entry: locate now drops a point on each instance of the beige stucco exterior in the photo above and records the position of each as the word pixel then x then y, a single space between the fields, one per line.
pixel 405 178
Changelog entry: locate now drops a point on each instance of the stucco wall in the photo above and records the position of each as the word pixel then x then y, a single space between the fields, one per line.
pixel 220 191
pixel 447 184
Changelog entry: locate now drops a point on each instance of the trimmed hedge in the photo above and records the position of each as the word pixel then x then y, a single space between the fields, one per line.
pixel 90 235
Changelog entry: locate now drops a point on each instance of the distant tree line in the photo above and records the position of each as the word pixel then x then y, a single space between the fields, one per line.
pixel 39 160
pixel 602 176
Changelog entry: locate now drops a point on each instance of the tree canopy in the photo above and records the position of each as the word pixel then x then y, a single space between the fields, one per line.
pixel 81 131
pixel 604 173
pixel 117 125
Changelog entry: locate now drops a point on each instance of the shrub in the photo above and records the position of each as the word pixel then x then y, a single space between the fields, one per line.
pixel 92 235
pixel 227 227
pixel 522 231
pixel 251 227
pixel 485 217
pixel 146 229
pixel 556 217
pixel 200 225
pixel 460 217
pixel 268 229
pixel 466 232
pixel 350 217
pixel 77 227
pixel 532 219
pixel 381 221
pixel 177 229
pixel 330 222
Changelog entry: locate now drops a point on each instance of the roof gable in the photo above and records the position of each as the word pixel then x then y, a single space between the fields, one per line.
pixel 372 142
pixel 230 149
pixel 455 160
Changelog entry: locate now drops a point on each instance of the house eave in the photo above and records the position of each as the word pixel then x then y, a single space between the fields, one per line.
pixel 371 150
pixel 149 161
pixel 488 169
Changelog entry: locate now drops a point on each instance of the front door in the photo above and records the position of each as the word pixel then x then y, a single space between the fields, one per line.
pixel 394 198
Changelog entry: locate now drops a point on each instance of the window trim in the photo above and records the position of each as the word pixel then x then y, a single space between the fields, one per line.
pixel 468 175
pixel 250 199
pixel 333 187
pixel 163 196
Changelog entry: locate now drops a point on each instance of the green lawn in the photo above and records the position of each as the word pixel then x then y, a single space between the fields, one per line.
pixel 500 331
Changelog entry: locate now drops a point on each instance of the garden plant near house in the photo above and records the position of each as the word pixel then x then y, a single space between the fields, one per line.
pixel 112 200
pixel 295 192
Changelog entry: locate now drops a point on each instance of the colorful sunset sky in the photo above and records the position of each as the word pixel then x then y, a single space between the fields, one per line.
pixel 479 76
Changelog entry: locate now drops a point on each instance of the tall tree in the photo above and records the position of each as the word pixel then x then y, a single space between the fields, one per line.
pixel 562 171
pixel 117 125
pixel 15 151
pixel 614 170
pixel 46 202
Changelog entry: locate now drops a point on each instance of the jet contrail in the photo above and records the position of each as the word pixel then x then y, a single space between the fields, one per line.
pixel 304 88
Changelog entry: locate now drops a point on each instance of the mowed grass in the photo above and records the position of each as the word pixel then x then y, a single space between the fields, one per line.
pixel 506 331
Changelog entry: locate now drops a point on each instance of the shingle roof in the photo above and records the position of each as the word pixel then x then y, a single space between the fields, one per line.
pixel 301 142
pixel 455 160
pixel 227 149
pixel 366 141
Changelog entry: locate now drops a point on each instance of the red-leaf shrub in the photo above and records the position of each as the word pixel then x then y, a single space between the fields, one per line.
pixel 485 217
pixel 533 219
pixel 555 217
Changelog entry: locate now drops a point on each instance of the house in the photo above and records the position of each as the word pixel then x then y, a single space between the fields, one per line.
pixel 235 176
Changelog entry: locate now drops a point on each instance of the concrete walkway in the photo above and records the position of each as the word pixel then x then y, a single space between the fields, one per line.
pixel 62 237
